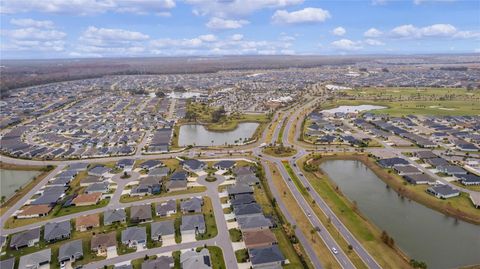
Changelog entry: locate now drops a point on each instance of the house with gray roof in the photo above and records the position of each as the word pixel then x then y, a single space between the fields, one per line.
pixel 162 262
pixel 55 231
pixel 451 170
pixel 27 238
pixel 241 199
pixel 166 209
pixel 177 185
pixel 50 195
pixel 159 172
pixel 224 165
pixel 114 216
pixel 163 230
pixel 89 180
pixel 237 189
pixel 134 236
pixel 71 251
pixel 101 187
pixel 7 264
pixel 126 164
pixel 254 222
pixel 196 260
pixel 150 164
pixel 78 166
pixel 141 213
pixel 247 210
pixel 264 257
pixel 443 191
pixel 193 224
pixel 404 170
pixel 248 179
pixel 35 260
pixel 193 165
pixel 99 171
pixel 192 205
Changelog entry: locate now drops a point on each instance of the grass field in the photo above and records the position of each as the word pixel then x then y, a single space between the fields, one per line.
pixel 405 101
pixel 279 151
pixel 210 224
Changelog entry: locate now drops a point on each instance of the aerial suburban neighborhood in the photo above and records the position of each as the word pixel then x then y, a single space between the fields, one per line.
pixel 236 134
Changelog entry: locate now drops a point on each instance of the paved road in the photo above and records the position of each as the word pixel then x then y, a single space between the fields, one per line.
pixel 298 232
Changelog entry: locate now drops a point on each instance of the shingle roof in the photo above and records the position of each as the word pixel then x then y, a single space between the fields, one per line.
pixel 33 260
pixel 57 230
pixel 21 239
pixel 265 255
pixel 70 249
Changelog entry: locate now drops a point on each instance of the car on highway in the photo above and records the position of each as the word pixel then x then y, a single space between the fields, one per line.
pixel 308 214
pixel 334 250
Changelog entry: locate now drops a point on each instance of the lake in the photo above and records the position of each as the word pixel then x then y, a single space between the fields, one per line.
pixel 196 134
pixel 423 234
pixel 350 109
pixel 11 180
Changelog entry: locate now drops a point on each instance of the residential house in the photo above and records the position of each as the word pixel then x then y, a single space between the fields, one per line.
pixel 34 211
pixel 141 213
pixel 241 199
pixel 248 179
pixel 426 154
pixel 259 238
pixel 78 166
pixel 224 165
pixel 192 205
pixel 27 238
pixel 177 185
pixel 193 165
pixel 195 260
pixel 390 162
pixel 247 210
pixel 468 179
pixel 443 191
pixel 436 161
pixel 99 171
pixel 126 164
pixel 166 209
pixel 404 170
pixel 71 251
pixel 50 196
pixel 104 243
pixel 254 222
pixel 419 179
pixel 193 224
pixel 88 222
pixel 159 172
pixel 86 199
pixel 55 231
pixel 97 188
pixel 163 231
pixel 89 180
pixel 162 262
pixel 134 236
pixel 150 164
pixel 35 260
pixel 114 216
pixel 264 257
pixel 237 189
pixel 451 170
pixel 8 263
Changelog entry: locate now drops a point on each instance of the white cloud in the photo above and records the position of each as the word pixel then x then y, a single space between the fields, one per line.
pixel 379 2
pixel 372 32
pixel 219 23
pixel 306 15
pixel 373 42
pixel 418 2
pixel 339 31
pixel 94 33
pixel 435 30
pixel 84 7
pixel 36 36
pixel 467 34
pixel 236 37
pixel 226 9
pixel 346 45
pixel 32 23
pixel 208 38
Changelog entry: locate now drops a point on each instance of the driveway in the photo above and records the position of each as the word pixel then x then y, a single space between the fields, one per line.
pixel 112 252
pixel 238 245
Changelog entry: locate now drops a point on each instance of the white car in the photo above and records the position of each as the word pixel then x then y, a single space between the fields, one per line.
pixel 308 214
pixel 63 265
pixel 335 251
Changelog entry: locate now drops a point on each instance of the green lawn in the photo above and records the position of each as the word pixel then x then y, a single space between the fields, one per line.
pixel 422 101
pixel 241 255
pixel 210 224
pixel 235 235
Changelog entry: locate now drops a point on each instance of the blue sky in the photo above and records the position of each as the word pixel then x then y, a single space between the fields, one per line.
pixel 133 28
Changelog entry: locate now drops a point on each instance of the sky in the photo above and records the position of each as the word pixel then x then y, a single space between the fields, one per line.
pixel 32 29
